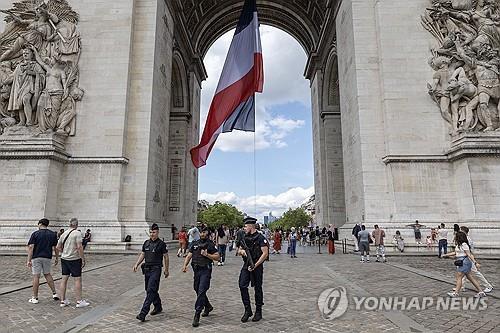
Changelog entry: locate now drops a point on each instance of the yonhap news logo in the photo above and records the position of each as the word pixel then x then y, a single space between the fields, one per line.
pixel 334 302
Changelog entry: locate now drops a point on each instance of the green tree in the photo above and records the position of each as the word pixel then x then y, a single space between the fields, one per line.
pixel 297 218
pixel 221 213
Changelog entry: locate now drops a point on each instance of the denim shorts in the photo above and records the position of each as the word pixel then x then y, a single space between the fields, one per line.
pixel 466 267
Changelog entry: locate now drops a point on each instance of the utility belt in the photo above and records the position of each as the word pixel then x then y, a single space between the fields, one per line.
pixel 198 266
pixel 149 268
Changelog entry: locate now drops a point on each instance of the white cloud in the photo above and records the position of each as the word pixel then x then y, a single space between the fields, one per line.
pixel 261 205
pixel 284 62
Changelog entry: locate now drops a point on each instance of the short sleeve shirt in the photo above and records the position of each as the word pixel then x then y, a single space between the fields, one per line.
pixel 460 250
pixel 70 249
pixel 364 236
pixel 379 235
pixel 43 241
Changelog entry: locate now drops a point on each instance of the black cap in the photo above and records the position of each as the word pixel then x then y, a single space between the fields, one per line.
pixel 249 220
pixel 154 226
pixel 44 222
pixel 203 228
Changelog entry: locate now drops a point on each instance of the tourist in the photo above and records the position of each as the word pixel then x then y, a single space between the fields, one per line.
pixel 364 244
pixel 203 253
pixel 416 230
pixel 61 231
pixel 442 240
pixel 173 230
pixel 475 272
pixel 193 234
pixel 399 240
pixel 464 260
pixel 292 240
pixel 86 238
pixel 428 241
pixel 182 243
pixel 277 241
pixel 154 253
pixel 40 246
pixel 378 235
pixel 222 240
pixel 330 235
pixel 355 231
pixel 72 261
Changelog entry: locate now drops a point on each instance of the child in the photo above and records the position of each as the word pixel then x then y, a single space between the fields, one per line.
pixel 428 241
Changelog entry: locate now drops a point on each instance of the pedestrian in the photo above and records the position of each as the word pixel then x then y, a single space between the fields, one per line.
pixel 182 243
pixel 364 244
pixel 379 235
pixel 464 260
pixel 330 235
pixel 416 230
pixel 475 271
pixel 222 241
pixel 61 231
pixel 173 230
pixel 355 231
pixel 254 250
pixel 193 234
pixel 86 238
pixel 72 261
pixel 292 240
pixel 399 240
pixel 155 256
pixel 277 241
pixel 40 246
pixel 442 240
pixel 203 253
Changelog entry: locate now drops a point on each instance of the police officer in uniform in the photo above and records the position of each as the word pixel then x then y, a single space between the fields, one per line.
pixel 203 253
pixel 154 251
pixel 254 246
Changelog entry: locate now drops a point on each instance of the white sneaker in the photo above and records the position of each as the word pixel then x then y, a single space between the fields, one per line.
pixel 64 303
pixel 55 297
pixel 219 264
pixel 81 304
pixel 488 290
pixel 222 264
pixel 452 294
pixel 479 295
pixel 462 289
pixel 33 300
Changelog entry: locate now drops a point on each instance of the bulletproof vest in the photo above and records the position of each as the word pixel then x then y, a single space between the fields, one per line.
pixel 252 242
pixel 152 253
pixel 197 258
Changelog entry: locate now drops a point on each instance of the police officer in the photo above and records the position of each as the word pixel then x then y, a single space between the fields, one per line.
pixel 154 251
pixel 203 253
pixel 254 250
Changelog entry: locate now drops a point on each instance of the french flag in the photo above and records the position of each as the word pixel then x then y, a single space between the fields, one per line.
pixel 233 105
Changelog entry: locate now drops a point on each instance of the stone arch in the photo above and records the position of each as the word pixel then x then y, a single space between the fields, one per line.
pixel 179 83
pixel 331 91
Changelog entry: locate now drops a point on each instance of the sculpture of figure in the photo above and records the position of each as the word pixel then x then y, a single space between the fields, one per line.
pixel 51 97
pixel 65 121
pixel 438 88
pixel 6 78
pixel 39 32
pixel 460 88
pixel 29 79
pixel 488 25
pixel 486 68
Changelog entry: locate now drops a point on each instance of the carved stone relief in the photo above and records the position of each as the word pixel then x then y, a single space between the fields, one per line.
pixel 39 75
pixel 466 61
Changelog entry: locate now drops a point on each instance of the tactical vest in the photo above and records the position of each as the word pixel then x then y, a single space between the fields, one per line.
pixel 152 253
pixel 198 259
pixel 252 242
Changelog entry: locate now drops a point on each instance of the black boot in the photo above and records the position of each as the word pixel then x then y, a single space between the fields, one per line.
pixel 248 313
pixel 258 314
pixel 208 308
pixel 196 319
pixel 156 311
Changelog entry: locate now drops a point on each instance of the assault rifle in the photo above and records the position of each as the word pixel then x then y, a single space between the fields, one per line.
pixel 249 258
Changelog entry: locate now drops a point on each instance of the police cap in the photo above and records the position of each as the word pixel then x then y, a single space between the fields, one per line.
pixel 249 220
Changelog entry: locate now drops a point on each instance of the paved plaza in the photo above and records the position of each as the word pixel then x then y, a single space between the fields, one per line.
pixel 291 286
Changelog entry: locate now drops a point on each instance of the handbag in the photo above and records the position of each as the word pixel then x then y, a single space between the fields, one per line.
pixel 459 262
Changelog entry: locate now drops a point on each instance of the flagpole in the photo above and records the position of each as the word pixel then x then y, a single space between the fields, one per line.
pixel 255 172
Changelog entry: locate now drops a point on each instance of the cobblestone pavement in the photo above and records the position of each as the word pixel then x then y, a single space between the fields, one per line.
pixel 291 290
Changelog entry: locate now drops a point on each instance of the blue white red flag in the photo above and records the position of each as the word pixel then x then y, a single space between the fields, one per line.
pixel 233 105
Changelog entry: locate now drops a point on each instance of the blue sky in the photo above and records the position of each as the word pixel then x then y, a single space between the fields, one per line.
pixel 284 165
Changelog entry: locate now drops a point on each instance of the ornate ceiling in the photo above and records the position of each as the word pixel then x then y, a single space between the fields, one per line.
pixel 206 20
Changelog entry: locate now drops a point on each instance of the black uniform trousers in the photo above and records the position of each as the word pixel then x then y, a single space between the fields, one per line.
pixel 256 277
pixel 202 276
pixel 152 277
